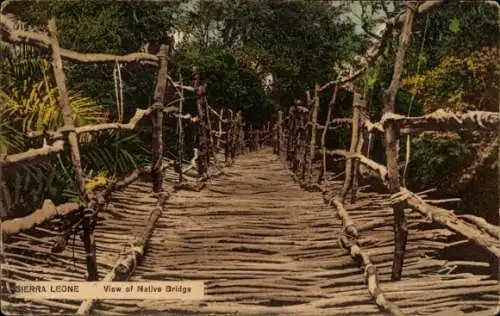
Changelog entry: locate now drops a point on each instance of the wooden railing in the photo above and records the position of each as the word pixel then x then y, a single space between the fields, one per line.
pixel 296 140
pixel 227 138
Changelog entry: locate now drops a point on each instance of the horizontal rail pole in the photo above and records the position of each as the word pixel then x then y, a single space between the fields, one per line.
pixel 436 214
pixel 439 120
pixel 8 34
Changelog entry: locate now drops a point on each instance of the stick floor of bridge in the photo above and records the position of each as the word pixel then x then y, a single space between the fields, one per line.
pixel 262 246
pixel 258 241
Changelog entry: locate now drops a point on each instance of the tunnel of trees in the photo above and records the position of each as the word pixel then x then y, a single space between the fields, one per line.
pixel 451 63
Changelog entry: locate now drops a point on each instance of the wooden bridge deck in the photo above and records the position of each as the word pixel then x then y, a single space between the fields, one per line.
pixel 262 245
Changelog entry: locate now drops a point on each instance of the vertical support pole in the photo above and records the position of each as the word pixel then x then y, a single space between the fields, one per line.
pixel 392 144
pixel 221 118
pixel 251 138
pixel 279 131
pixel 303 144
pixel 312 144
pixel 297 141
pixel 229 136
pixel 354 140
pixel 180 126
pixel 209 130
pixel 323 175
pixel 257 139
pixel 291 141
pixel 74 150
pixel 203 158
pixel 241 133
pixel 361 105
pixel 157 119
pixel 66 110
pixel 234 138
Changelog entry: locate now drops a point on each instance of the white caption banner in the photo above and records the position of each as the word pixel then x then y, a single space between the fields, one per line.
pixel 158 290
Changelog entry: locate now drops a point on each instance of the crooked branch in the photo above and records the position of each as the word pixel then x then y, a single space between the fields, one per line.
pixel 377 45
pixel 9 34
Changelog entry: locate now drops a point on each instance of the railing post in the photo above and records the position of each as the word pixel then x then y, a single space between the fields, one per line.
pixel 348 182
pixel 250 138
pixel 279 132
pixel 203 158
pixel 312 144
pixel 392 144
pixel 229 136
pixel 157 119
pixel 74 150
pixel 323 175
pixel 221 118
pixel 291 143
pixel 360 104
pixel 235 132
pixel 180 127
pixel 210 138
pixel 241 134
pixel 257 140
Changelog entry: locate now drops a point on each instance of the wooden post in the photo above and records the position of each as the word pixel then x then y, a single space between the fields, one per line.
pixel 360 104
pixel 296 141
pixel 229 136
pixel 235 132
pixel 275 138
pixel 279 132
pixel 221 118
pixel 354 142
pixel 392 144
pixel 257 139
pixel 301 154
pixel 180 126
pixel 323 175
pixel 203 158
pixel 241 134
pixel 157 119
pixel 291 143
pixel 74 150
pixel 292 139
pixel 210 139
pixel 251 138
pixel 312 144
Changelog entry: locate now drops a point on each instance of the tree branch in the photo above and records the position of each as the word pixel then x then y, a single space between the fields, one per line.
pixel 9 34
pixel 31 154
pixel 375 49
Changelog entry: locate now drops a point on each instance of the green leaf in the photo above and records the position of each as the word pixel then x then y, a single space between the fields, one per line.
pixel 454 26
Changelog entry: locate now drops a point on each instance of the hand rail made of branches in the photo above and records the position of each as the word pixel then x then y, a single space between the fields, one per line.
pixel 293 135
pixel 91 202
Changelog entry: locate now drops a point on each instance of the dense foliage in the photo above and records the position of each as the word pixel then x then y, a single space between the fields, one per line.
pixel 451 64
pixel 237 47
